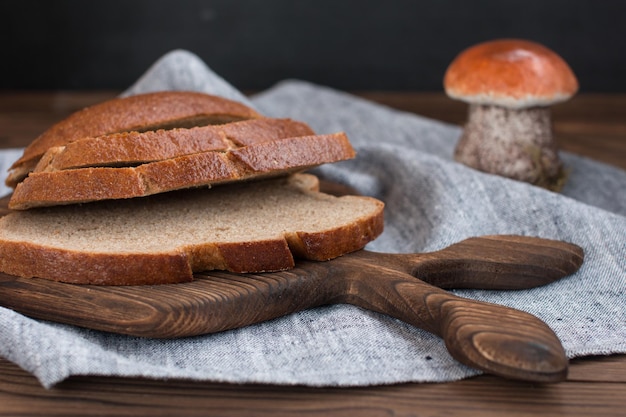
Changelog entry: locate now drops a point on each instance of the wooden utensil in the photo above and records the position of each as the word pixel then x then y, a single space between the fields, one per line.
pixel 496 339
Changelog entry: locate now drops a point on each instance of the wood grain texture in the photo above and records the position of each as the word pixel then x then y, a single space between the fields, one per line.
pixel 493 338
pixel 593 125
pixel 21 394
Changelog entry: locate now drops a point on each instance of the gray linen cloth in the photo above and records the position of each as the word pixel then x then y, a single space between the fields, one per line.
pixel 431 202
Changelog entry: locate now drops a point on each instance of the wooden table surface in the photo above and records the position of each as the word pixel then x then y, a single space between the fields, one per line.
pixel 591 125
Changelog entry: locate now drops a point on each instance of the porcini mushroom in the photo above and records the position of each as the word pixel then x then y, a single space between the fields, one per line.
pixel 509 85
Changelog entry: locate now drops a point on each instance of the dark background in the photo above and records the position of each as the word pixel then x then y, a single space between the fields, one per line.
pixel 350 44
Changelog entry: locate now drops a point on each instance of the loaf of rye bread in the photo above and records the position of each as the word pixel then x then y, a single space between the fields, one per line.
pixel 145 112
pixel 243 227
pixel 151 217
pixel 146 161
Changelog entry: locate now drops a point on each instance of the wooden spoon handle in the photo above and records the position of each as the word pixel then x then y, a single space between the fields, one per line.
pixel 493 338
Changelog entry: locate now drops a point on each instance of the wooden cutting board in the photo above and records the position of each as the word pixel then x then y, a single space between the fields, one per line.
pixel 496 339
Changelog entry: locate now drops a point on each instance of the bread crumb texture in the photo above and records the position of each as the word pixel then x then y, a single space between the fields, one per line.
pixel 209 229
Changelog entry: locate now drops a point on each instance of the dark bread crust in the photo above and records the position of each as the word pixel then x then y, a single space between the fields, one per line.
pixel 202 169
pixel 29 260
pixel 251 132
pixel 134 148
pixel 286 154
pixel 334 243
pixel 131 148
pixel 134 113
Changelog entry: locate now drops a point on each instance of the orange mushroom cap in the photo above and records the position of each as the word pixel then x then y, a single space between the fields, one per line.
pixel 511 73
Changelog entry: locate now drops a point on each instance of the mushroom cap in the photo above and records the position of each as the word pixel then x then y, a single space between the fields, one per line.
pixel 511 73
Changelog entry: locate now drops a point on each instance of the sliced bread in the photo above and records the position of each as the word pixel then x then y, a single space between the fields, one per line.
pixel 244 227
pixel 255 161
pixel 134 148
pixel 145 112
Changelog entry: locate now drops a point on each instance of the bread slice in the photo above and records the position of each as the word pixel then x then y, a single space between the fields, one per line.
pixel 145 112
pixel 255 161
pixel 244 227
pixel 134 148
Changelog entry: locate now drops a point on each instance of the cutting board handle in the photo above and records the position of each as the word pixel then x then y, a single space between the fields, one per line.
pixel 496 262
pixel 493 338
pixel 504 341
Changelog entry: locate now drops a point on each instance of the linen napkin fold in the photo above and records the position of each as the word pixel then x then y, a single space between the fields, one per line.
pixel 431 202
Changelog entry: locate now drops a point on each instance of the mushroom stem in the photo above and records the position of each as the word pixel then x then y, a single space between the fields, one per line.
pixel 514 143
